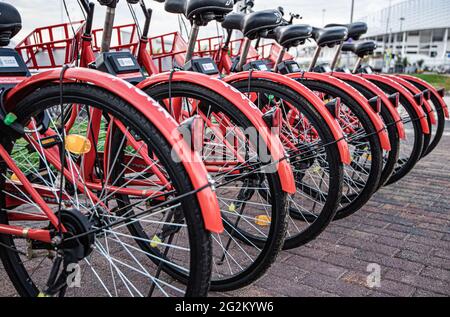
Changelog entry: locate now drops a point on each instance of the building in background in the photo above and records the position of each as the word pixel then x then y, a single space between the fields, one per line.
pixel 415 29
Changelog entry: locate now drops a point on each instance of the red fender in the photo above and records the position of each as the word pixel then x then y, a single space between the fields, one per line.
pixel 246 106
pixel 414 90
pixel 433 90
pixel 310 96
pixel 405 93
pixel 156 114
pixel 378 92
pixel 362 101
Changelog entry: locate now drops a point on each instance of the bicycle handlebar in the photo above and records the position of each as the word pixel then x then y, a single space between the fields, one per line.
pixel 148 18
pixel 89 18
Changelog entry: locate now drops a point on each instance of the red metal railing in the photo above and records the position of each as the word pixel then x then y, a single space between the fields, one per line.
pixel 51 46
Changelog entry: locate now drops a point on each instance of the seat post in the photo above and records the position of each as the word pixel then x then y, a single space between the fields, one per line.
pixel 108 28
pixel 192 42
pixel 336 56
pixel 358 63
pixel 279 59
pixel 315 58
pixel 244 54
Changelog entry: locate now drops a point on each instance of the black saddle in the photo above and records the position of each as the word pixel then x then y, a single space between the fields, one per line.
pixel 10 23
pixel 348 47
pixel 355 30
pixel 196 8
pixel 234 21
pixel 330 36
pixel 253 24
pixel 292 35
pixel 365 48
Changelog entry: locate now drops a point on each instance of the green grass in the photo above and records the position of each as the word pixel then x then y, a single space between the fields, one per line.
pixel 438 81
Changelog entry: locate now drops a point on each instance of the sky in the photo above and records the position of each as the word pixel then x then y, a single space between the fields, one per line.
pixel 37 13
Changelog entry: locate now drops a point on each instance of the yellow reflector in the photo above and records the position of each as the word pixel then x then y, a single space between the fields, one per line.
pixel 155 241
pixel 317 169
pixel 42 295
pixel 14 178
pixel 232 208
pixel 77 144
pixel 263 220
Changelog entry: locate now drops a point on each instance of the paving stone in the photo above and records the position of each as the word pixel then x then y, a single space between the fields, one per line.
pixel 437 273
pixel 336 286
pixel 421 282
pixel 316 266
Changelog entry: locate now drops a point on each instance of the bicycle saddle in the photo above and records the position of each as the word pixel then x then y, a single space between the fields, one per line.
pixel 234 21
pixel 195 8
pixel 348 47
pixel 254 23
pixel 10 23
pixel 365 48
pixel 292 35
pixel 330 36
pixel 355 30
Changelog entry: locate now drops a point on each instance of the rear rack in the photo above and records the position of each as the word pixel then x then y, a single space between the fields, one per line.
pixel 51 46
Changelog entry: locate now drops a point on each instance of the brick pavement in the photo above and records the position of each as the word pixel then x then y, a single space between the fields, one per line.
pixel 405 229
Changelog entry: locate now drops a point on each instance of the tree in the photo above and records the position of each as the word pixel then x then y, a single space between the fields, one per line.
pixel 405 62
pixel 420 63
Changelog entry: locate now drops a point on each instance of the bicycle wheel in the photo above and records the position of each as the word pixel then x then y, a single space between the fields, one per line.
pixel 125 190
pixel 411 149
pixel 252 202
pixel 362 176
pixel 314 158
pixel 390 158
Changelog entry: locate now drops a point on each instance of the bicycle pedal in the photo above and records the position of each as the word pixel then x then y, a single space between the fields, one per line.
pixel 49 142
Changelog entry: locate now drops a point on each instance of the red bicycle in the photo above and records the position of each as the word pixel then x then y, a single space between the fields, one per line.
pixel 245 160
pixel 74 200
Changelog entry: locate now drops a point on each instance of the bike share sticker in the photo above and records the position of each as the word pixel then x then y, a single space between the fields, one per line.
pixel 262 67
pixel 125 62
pixel 8 61
pixel 208 67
